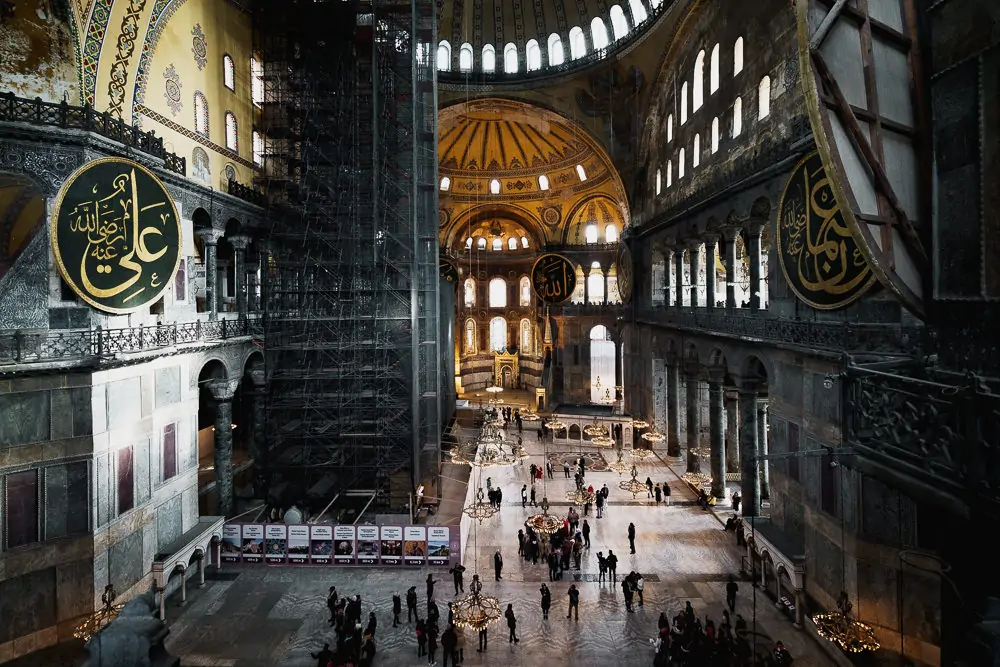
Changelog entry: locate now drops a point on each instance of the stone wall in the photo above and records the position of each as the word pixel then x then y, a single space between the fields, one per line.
pixel 38 51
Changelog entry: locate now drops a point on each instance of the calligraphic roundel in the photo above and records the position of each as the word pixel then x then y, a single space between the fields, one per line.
pixel 819 257
pixel 116 235
pixel 553 277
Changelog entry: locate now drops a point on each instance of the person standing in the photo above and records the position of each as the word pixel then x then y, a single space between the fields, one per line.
pixel 565 469
pixel 599 501
pixel 639 583
pixel 602 566
pixel 397 609
pixel 548 468
pixel 736 501
pixel 483 639
pixel 324 657
pixel 649 487
pixel 520 542
pixel 456 575
pixel 511 624
pixel 524 496
pixel 658 494
pixel 430 587
pixel 731 589
pixel 574 602
pixel 546 600
pixel 627 590
pixel 631 537
pixel 613 566
pixel 421 638
pixel 411 603
pixel 331 604
pixel 432 643
pixel 586 534
pixel 533 504
pixel 449 639
pixel 497 565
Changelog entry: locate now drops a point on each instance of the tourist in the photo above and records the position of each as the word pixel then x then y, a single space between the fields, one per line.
pixel 511 624
pixel 324 657
pixel 600 505
pixel 631 537
pixel 666 493
pixel 602 566
pixel 782 658
pixel 483 639
pixel 566 469
pixel 627 590
pixel 649 487
pixel 456 575
pixel 432 643
pixel 613 566
pixel 520 542
pixel 658 494
pixel 411 603
pixel 731 589
pixel 449 640
pixel 397 609
pixel 372 624
pixel 574 602
pixel 421 638
pixel 736 501
pixel 639 583
pixel 497 565
pixel 524 495
pixel 586 534
pixel 532 496
pixel 430 587
pixel 546 600
pixel 548 468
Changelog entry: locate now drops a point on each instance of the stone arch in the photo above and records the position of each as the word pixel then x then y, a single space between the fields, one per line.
pixel 760 208
pixel 717 359
pixel 456 231
pixel 233 227
pixel 600 209
pixel 201 219
pixel 754 368
pixel 691 353
pixel 574 432
pixel 22 216
pixel 214 368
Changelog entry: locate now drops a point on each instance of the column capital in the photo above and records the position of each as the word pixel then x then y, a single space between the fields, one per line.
pixel 209 235
pixel 747 387
pixel 755 226
pixel 692 369
pixel 222 390
pixel 730 233
pixel 239 241
pixel 694 244
pixel 716 375
pixel 710 238
pixel 257 377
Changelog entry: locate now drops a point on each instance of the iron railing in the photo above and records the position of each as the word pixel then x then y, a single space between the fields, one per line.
pixel 98 346
pixel 62 114
pixel 246 193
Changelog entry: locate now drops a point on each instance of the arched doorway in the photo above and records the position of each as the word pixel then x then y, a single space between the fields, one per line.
pixel 602 365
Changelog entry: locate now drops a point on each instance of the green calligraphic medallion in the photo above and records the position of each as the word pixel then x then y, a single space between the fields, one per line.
pixel 820 259
pixel 447 270
pixel 116 235
pixel 553 277
pixel 624 263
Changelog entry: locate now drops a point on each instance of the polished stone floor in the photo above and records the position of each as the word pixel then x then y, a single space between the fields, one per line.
pixel 259 616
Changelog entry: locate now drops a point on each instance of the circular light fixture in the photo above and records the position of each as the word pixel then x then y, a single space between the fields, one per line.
pixel 595 429
pixel 697 479
pixel 580 497
pixel 100 618
pixel 848 633
pixel 544 523
pixel 529 416
pixel 480 510
pixel 494 389
pixel 603 441
pixel 642 453
pixel 555 425
pixel 633 486
pixel 619 466
pixel 703 452
pixel 476 610
pixel 639 424
pixel 653 436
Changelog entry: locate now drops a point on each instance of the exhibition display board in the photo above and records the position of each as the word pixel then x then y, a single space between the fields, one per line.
pixel 322 544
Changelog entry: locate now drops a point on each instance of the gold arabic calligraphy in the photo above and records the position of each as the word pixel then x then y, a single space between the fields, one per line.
pixel 553 278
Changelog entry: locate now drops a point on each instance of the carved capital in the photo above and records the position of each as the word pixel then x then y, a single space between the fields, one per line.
pixel 239 242
pixel 257 377
pixel 716 375
pixel 692 370
pixel 222 390
pixel 730 233
pixel 755 226
pixel 694 245
pixel 711 239
pixel 209 235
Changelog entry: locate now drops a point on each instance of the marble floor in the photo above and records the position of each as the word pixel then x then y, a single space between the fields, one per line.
pixel 260 616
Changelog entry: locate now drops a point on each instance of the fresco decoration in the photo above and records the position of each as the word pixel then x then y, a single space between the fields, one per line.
pixel 172 89
pixel 123 54
pixel 199 47
pixel 553 277
pixel 624 272
pixel 819 257
pixel 92 45
pixel 551 215
pixel 116 235
pixel 448 270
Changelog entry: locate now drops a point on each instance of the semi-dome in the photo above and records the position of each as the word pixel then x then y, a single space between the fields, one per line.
pixel 513 38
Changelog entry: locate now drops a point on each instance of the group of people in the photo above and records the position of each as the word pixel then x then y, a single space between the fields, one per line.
pixel 355 642
pixel 660 493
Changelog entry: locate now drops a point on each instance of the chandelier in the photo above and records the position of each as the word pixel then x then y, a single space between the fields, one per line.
pixel 480 510
pixel 703 452
pixel 633 486
pixel 520 452
pixel 529 416
pixel 555 425
pixel 603 441
pixel 544 523
pixel 642 453
pixel 481 454
pixel 595 429
pixel 639 424
pixel 476 610
pixel 653 437
pixel 494 389
pixel 618 466
pixel 696 479
pixel 580 497
pixel 100 618
pixel 851 635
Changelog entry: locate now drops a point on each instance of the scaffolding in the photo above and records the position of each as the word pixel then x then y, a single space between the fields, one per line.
pixel 351 290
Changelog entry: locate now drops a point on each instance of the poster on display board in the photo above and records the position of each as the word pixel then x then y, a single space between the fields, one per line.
pixel 298 544
pixel 320 544
pixel 392 545
pixel 253 543
pixel 275 543
pixel 368 545
pixel 343 545
pixel 438 545
pixel 414 545
pixel 231 547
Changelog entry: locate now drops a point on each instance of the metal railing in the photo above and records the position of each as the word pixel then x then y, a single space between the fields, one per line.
pixel 98 346
pixel 246 193
pixel 62 114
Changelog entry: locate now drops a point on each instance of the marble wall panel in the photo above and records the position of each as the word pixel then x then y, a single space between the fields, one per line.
pixel 168 386
pixel 169 521
pixel 887 516
pixel 125 560
pixel 124 402
pixel 146 393
pixel 104 490
pixel 143 485
pixel 67 504
pixel 189 510
pixel 659 395
pixel 192 460
pixel 83 420
pixel 24 418
pixel 27 603
pixel 74 589
pixel 62 414
pixel 99 408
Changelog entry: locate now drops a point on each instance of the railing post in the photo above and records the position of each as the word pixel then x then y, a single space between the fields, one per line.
pixel 64 114
pixel 38 109
pixel 99 338
pixel 18 346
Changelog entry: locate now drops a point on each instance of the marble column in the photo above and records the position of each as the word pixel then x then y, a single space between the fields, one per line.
pixel 732 432
pixel 586 286
pixel 711 242
pixel 239 244
pixel 694 251
pixel 210 241
pixel 659 396
pixel 667 254
pixel 220 291
pixel 800 603
pixel 749 477
pixel 679 276
pixel 693 417
pixel 754 229
pixel 252 268
pixel 729 235
pixel 765 475
pixel 201 570
pixel 257 446
pixel 604 273
pixel 716 413
pixel 222 396
pixel 673 409
pixel 184 589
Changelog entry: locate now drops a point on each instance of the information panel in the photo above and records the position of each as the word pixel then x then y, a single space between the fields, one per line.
pixel 275 543
pixel 343 545
pixel 320 544
pixel 368 545
pixel 253 543
pixel 415 545
pixel 392 545
pixel 438 545
pixel 231 547
pixel 298 544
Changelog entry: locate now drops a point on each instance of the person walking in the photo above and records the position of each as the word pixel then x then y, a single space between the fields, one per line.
pixel 524 496
pixel 627 590
pixel 533 504
pixel 658 494
pixel 421 638
pixel 565 469
pixel 602 566
pixel 631 537
pixel 483 639
pixel 649 487
pixel 449 640
pixel 411 603
pixel 546 600
pixel 585 530
pixel 511 624
pixel 397 609
pixel 731 589
pixel 574 602
pixel 666 493
pixel 432 643
pixel 639 583
pixel 548 468
pixel 497 565
pixel 613 566
pixel 456 575
pixel 430 587
pixel 599 502
pixel 520 542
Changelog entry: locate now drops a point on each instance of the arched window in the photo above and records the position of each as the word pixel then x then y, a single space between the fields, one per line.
pixel 489 59
pixel 526 346
pixel 715 135
pixel 498 293
pixel 543 182
pixel 497 245
pixel 470 336
pixel 738 56
pixel 256 82
pixel 684 102
pixel 670 128
pixel 595 284
pixel 465 57
pixel 510 58
pixel 228 72
pixel 698 87
pixel 200 114
pixel 524 291
pixel 512 243
pixel 638 12
pixel 445 184
pixel 468 243
pixel 556 55
pixel 581 172
pixel 670 173
pixel 611 234
pixel 470 289
pixel 737 117
pixel 232 133
pixel 764 98
pixel 713 71
pixel 532 55
pixel 590 233
pixel 696 151
pixel 680 164
pixel 481 243
pixel 444 56
pixel 577 43
pixel 494 187
pixel 258 148
pixel 498 334
pixel 524 241
pixel 659 181
pixel 602 366
pixel 598 33
pixel 618 23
